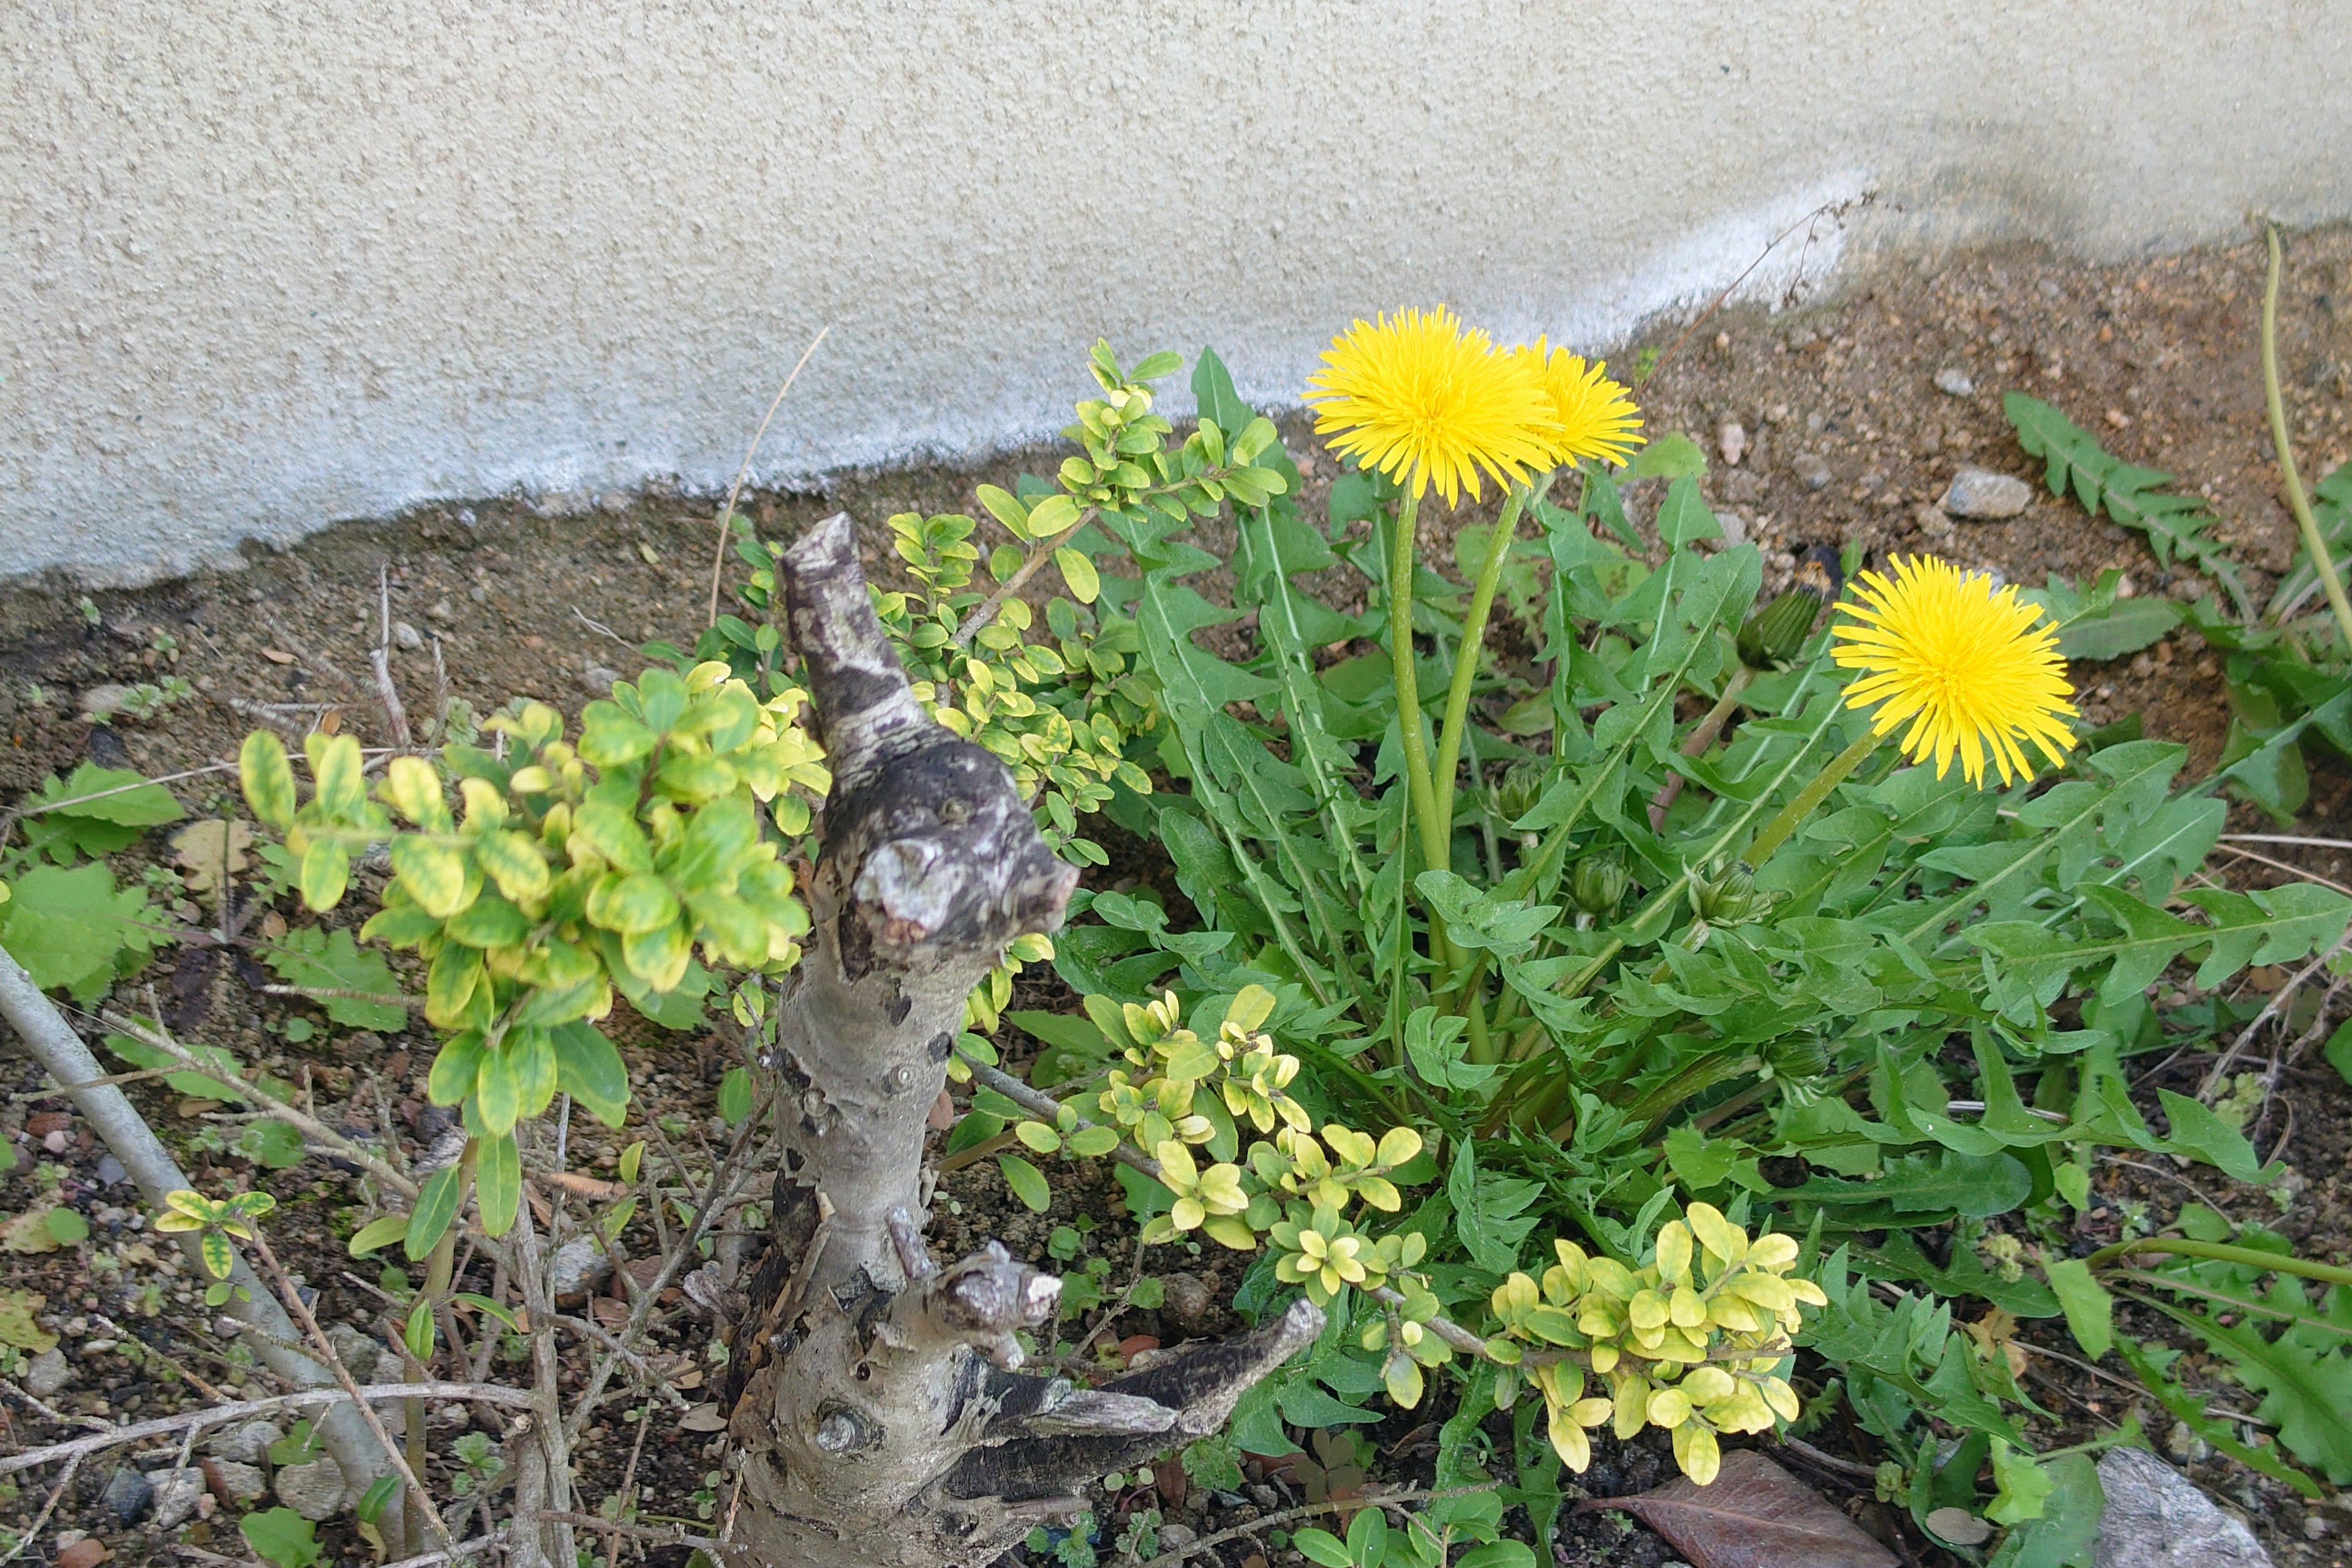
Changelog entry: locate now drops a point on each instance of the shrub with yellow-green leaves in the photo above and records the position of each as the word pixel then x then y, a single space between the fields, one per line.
pixel 1695 1341
pixel 567 870
pixel 1179 1092
pixel 1059 711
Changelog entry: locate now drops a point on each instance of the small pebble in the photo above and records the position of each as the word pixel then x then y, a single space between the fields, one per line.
pixel 1955 381
pixel 177 1492
pixel 2182 1442
pixel 1982 494
pixel 104 699
pixel 127 1495
pixel 314 1490
pixel 442 610
pixel 578 1266
pixel 111 1173
pixel 1731 440
pixel 1172 1536
pixel 1811 471
pixel 247 1442
pixel 599 679
pixel 406 636
pixel 48 1372
pixel 1735 529
pixel 243 1483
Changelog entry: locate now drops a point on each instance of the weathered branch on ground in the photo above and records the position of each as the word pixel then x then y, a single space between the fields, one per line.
pixel 117 1122
pixel 876 1399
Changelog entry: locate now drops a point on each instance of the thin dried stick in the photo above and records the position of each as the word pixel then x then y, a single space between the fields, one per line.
pixel 2277 1004
pixel 310 1126
pixel 237 1410
pixel 392 1450
pixel 726 512
pixel 629 1483
pixel 2260 858
pixel 613 1527
pixel 380 660
pixel 724 1182
pixel 33 1531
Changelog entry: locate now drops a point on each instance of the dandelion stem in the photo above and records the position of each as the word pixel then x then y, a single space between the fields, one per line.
pixel 2314 542
pixel 1435 832
pixel 1467 658
pixel 1418 779
pixel 1803 805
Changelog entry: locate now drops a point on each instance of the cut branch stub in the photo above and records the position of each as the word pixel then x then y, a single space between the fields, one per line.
pixel 876 1397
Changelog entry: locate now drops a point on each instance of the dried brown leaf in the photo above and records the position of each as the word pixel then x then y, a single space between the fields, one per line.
pixel 1753 1515
pixel 211 852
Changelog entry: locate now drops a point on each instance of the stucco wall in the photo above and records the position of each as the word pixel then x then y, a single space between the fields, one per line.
pixel 265 264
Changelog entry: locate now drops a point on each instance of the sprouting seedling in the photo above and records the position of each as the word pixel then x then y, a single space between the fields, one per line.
pixel 218 1219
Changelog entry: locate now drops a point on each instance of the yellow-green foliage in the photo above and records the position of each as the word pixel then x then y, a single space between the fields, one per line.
pixel 1694 1340
pixel 567 871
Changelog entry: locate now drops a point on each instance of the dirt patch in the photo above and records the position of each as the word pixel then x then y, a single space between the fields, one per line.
pixel 1853 416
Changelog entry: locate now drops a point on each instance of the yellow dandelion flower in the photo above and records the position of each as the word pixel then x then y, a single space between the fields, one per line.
pixel 1595 415
pixel 1962 663
pixel 1424 400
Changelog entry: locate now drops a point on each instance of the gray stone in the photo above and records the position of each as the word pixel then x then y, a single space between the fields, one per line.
pixel 100 700
pixel 578 1266
pixel 1982 494
pixel 314 1490
pixel 247 1443
pixel 1172 1536
pixel 177 1492
pixel 442 610
pixel 406 636
pixel 1735 529
pixel 599 679
pixel 2156 1518
pixel 356 1346
pixel 245 1483
pixel 48 1372
pixel 127 1495
pixel 1811 470
pixel 111 1173
pixel 1955 381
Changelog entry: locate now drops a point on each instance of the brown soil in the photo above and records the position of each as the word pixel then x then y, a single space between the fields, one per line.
pixel 2158 358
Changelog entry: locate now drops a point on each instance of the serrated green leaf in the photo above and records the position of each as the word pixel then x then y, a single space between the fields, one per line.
pixel 2090 1311
pixel 331 961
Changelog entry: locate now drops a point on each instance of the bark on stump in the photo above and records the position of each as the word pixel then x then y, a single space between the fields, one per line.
pixel 876 1400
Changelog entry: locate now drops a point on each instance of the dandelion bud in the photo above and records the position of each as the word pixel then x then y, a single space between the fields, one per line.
pixel 1522 786
pixel 1598 882
pixel 1730 898
pixel 1774 634
pixel 1797 1056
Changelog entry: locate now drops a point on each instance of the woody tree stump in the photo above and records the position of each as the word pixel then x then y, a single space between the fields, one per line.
pixel 876 1399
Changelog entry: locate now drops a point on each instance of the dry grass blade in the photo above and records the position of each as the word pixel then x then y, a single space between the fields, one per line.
pixel 1753 1515
pixel 726 512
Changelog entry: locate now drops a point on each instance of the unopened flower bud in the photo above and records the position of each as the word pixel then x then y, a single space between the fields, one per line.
pixel 1598 882
pixel 1774 634
pixel 1522 786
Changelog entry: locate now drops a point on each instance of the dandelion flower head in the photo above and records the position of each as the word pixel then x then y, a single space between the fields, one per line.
pixel 1426 401
pixel 1595 415
pixel 1962 664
